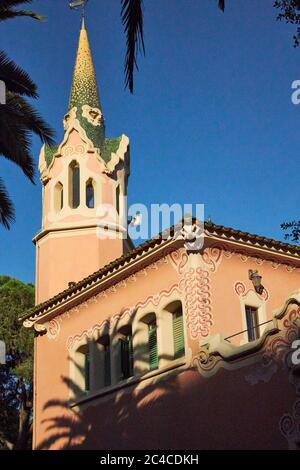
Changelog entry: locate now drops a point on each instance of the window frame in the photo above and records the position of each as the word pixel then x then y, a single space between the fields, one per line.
pixel 252 321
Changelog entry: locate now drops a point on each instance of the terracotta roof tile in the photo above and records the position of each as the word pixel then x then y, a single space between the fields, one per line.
pixel 210 228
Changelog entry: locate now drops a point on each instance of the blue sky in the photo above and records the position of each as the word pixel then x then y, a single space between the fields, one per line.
pixel 211 120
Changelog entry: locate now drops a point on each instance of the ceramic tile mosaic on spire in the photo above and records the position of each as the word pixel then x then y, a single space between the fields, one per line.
pixel 85 106
pixel 84 96
pixel 84 88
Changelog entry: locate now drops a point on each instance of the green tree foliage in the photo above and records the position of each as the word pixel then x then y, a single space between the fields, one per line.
pixel 292 230
pixel 16 375
pixel 289 11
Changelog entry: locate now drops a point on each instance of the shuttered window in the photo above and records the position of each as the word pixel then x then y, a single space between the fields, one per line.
pixel 153 356
pixel 126 351
pixel 87 371
pixel 178 334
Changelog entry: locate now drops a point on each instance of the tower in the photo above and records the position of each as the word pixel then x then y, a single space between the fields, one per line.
pixel 84 181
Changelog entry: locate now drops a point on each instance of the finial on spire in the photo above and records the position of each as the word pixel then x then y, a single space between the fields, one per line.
pixel 77 5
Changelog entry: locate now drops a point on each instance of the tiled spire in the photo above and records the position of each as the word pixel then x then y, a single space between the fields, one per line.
pixel 84 88
pixel 84 92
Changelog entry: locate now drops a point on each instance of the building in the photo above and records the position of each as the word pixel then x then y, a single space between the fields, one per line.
pixel 159 346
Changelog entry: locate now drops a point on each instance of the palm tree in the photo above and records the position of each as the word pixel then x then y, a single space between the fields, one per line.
pixel 132 19
pixel 18 118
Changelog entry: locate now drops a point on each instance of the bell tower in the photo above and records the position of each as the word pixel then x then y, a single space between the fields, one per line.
pixel 84 183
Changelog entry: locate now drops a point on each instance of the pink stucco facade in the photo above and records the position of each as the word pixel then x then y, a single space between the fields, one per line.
pixel 202 401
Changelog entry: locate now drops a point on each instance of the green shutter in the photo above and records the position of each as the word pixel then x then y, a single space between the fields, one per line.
pixel 178 335
pixel 107 379
pixel 153 356
pixel 87 371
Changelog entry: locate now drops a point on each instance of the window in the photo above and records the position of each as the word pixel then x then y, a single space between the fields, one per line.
pixel 58 197
pixel 82 368
pixel 89 193
pixel 178 333
pixel 118 199
pixel 126 353
pixel 172 338
pixel 252 323
pixel 74 185
pixel 104 345
pixel 152 343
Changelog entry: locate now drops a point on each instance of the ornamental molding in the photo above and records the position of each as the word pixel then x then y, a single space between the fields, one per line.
pixel 193 288
pixel 92 115
pixel 266 356
pixel 244 257
pixel 211 258
pixel 118 157
pixel 216 352
pixel 241 290
pixel 194 271
pixel 73 150
pixel 192 234
pixel 111 325
pixel 272 346
pixel 54 325
pixel 69 118
pixel 195 285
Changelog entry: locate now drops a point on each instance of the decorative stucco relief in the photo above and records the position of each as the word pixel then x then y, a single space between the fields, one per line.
pixel 194 272
pixel 241 290
pixel 262 361
pixel 112 324
pixel 244 257
pixel 195 285
pixel 54 326
pixel 69 150
pixel 290 426
pixel 289 423
pixel 212 258
pixel 179 259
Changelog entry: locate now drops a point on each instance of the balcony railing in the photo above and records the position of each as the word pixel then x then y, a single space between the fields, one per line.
pixel 247 330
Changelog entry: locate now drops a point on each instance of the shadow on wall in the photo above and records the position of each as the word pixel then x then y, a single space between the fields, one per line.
pixel 116 417
pixel 227 410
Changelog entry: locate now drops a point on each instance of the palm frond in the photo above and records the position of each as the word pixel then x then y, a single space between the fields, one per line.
pixel 132 19
pixel 15 141
pixel 7 213
pixel 222 5
pixel 12 3
pixel 15 78
pixel 8 14
pixel 31 119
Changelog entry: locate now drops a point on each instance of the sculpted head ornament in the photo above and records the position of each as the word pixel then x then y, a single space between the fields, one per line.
pixel 93 115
